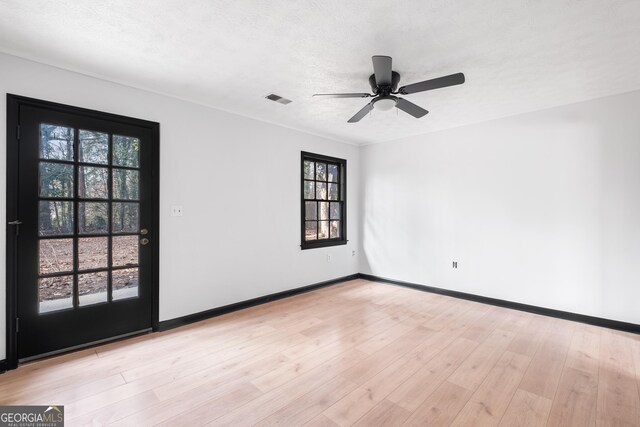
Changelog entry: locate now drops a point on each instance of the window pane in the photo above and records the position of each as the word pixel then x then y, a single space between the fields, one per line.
pixel 125 217
pixel 309 190
pixel 324 210
pixel 55 293
pixel 309 170
pixel 56 142
pixel 310 210
pixel 124 250
pixel 125 184
pixel 56 180
pixel 323 229
pixel 126 151
pixel 92 252
pixel 55 218
pixel 124 283
pixel 335 210
pixel 321 190
pixel 92 217
pixel 92 288
pixel 94 147
pixel 310 230
pixel 92 182
pixel 333 191
pixel 55 255
pixel 321 171
pixel 335 229
pixel 333 173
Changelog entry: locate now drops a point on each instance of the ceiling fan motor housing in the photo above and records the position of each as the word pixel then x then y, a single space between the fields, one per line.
pixel 384 90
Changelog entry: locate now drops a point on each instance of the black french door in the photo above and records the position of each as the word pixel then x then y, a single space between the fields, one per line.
pixel 84 223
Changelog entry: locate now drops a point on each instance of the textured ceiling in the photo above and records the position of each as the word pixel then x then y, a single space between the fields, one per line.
pixel 517 55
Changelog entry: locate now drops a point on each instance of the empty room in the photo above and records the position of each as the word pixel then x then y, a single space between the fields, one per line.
pixel 320 213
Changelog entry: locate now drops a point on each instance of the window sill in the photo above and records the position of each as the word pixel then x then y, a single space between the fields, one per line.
pixel 322 244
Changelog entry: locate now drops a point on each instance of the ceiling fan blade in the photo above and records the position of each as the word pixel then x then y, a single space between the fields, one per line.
pixel 411 108
pixel 452 80
pixel 360 114
pixel 382 69
pixel 344 95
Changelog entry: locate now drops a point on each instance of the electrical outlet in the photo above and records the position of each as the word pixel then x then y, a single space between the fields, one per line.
pixel 176 210
pixel 455 264
pixel 328 257
pixel 353 253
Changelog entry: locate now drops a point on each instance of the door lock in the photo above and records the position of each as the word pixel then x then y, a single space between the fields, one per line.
pixel 144 232
pixel 144 241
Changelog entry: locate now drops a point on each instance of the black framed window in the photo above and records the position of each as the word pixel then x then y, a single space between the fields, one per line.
pixel 324 201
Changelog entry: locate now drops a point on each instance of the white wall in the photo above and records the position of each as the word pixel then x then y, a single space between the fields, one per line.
pixel 237 179
pixel 541 208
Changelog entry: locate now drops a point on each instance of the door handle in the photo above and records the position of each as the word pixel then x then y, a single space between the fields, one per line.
pixel 144 241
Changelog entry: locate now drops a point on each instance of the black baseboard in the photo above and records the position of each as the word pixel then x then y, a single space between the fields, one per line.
pixel 203 315
pixel 582 318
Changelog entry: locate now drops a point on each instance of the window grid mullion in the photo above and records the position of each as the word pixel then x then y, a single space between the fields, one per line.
pixel 110 221
pixel 76 219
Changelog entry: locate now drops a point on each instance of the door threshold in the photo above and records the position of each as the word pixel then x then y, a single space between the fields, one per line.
pixel 82 346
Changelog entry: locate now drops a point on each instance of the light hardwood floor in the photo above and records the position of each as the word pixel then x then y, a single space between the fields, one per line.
pixel 358 353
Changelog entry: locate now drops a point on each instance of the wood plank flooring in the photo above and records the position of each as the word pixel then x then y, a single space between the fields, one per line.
pixel 358 353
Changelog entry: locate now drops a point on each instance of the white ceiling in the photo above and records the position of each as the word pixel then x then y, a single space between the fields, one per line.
pixel 517 55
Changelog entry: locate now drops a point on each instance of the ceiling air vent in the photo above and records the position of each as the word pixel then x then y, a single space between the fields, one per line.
pixel 278 98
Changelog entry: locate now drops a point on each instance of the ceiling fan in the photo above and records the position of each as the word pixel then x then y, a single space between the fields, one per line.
pixel 384 84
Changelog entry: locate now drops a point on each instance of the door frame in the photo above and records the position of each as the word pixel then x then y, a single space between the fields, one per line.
pixel 13 150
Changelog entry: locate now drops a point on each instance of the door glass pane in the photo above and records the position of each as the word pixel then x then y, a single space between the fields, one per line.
pixel 125 184
pixel 55 218
pixel 124 283
pixel 310 230
pixel 333 191
pixel 92 288
pixel 335 229
pixel 311 210
pixel 92 252
pixel 124 250
pixel 55 255
pixel 92 217
pixel 323 229
pixel 55 293
pixel 126 151
pixel 92 182
pixel 56 142
pixel 56 180
pixel 321 190
pixel 333 173
pixel 324 210
pixel 335 210
pixel 94 147
pixel 309 172
pixel 125 217
pixel 321 171
pixel 309 190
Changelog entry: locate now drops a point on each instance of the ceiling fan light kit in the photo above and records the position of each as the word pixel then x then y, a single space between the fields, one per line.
pixel 385 103
pixel 384 85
